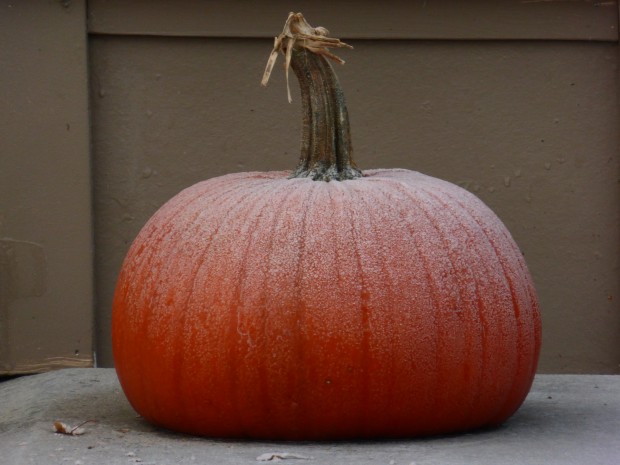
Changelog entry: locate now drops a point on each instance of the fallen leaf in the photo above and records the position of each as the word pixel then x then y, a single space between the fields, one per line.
pixel 63 428
pixel 277 456
pixel 298 32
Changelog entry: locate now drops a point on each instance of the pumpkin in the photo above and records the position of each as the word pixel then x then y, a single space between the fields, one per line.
pixel 325 303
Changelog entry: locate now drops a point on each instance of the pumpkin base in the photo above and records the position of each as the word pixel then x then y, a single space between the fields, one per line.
pixel 329 436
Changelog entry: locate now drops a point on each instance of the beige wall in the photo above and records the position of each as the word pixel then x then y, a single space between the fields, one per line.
pixel 529 125
pixel 46 243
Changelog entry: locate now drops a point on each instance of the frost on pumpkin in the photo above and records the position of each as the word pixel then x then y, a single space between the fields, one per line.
pixel 398 273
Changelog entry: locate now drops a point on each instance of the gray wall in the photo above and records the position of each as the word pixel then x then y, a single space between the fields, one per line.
pixel 516 101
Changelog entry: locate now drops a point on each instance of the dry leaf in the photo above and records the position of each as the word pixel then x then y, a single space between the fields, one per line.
pixel 298 32
pixel 277 456
pixel 63 428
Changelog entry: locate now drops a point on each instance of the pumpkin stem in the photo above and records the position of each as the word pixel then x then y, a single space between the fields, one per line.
pixel 326 150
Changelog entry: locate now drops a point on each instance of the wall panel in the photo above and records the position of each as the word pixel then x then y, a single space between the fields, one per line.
pixel 529 126
pixel 46 249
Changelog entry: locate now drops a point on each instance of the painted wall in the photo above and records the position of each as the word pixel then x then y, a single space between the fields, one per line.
pixel 46 237
pixel 515 101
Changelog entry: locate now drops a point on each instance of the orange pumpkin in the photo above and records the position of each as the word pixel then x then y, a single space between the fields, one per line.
pixel 328 304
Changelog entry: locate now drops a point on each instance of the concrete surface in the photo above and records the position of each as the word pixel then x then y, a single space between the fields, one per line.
pixel 566 419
